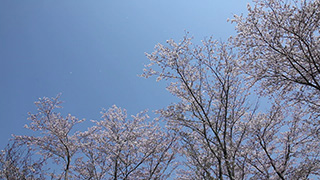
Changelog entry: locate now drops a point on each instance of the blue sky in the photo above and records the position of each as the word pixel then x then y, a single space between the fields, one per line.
pixel 93 51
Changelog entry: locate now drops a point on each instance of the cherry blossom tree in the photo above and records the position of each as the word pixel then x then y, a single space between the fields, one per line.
pixel 279 47
pixel 121 148
pixel 283 144
pixel 56 141
pixel 18 162
pixel 223 136
pixel 213 115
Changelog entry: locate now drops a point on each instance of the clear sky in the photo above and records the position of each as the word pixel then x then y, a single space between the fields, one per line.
pixel 93 51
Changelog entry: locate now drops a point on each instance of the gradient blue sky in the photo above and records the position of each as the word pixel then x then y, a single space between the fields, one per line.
pixel 92 52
